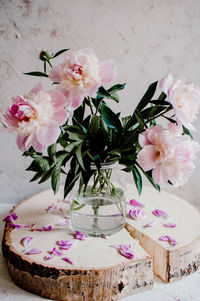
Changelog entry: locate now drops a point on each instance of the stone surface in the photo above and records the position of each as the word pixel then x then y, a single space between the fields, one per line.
pixel 147 38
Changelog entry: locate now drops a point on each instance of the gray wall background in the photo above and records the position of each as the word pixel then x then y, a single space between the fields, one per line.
pixel 147 38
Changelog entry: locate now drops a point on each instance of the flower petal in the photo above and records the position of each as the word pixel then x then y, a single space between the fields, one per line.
pixel 36 89
pixel 170 225
pixel 165 84
pixel 58 99
pixel 135 203
pixel 151 224
pixel 147 157
pixel 80 236
pixel 137 214
pixel 60 116
pixel 27 240
pixel 55 74
pixel 33 251
pixel 68 260
pixel 160 213
pixel 107 70
pixel 49 134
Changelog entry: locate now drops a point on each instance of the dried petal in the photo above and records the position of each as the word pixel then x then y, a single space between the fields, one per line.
pixel 51 208
pixel 33 251
pixel 56 252
pixel 151 224
pixel 80 236
pixel 10 217
pixel 66 244
pixel 27 240
pixel 68 260
pixel 135 203
pixel 48 228
pixel 170 225
pixel 160 213
pixel 50 256
pixel 18 226
pixel 125 250
pixel 170 240
pixel 137 214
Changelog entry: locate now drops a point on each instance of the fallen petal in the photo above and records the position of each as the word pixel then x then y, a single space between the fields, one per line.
pixel 48 228
pixel 80 236
pixel 135 203
pixel 50 256
pixel 10 217
pixel 27 240
pixel 56 252
pixel 160 213
pixel 125 250
pixel 51 208
pixel 170 225
pixel 68 260
pixel 164 238
pixel 66 222
pixel 66 244
pixel 137 214
pixel 33 251
pixel 151 224
pixel 170 240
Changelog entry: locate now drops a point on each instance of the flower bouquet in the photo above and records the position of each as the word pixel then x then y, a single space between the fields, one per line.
pixel 73 123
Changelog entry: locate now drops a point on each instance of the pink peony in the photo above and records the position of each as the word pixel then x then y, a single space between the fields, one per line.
pixel 185 99
pixel 81 74
pixel 168 153
pixel 36 118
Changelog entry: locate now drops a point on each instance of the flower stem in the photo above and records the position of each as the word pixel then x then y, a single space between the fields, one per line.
pixel 90 104
pixel 159 115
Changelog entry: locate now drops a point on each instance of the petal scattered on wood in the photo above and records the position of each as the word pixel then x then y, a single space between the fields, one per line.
pixel 27 241
pixel 10 217
pixel 170 240
pixel 137 214
pixel 151 224
pixel 80 236
pixel 66 244
pixel 160 213
pixel 135 203
pixel 170 225
pixel 51 208
pixel 125 250
pixel 33 251
pixel 66 222
pixel 68 260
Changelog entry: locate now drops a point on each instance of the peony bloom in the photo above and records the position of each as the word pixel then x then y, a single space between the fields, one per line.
pixel 168 153
pixel 36 118
pixel 81 74
pixel 185 99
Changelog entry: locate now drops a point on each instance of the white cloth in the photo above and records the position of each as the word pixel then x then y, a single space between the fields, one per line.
pixel 186 289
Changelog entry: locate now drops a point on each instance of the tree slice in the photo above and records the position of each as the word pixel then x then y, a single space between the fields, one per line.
pixel 170 263
pixel 99 272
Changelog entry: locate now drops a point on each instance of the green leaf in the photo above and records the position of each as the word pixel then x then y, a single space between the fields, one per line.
pixel 79 156
pixel 52 152
pixel 140 121
pixel 55 176
pixel 137 178
pixel 46 175
pixel 70 147
pixel 32 167
pixel 76 136
pixel 36 73
pixel 71 179
pixel 36 176
pixel 94 124
pixel 59 52
pixel 160 102
pixel 41 162
pixel 79 112
pixel 117 87
pixel 110 118
pixel 147 96
pixel 162 96
pixel 103 93
pixel 187 132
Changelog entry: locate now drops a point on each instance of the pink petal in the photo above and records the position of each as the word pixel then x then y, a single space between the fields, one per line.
pixel 50 256
pixel 135 203
pixel 80 236
pixel 49 134
pixel 60 116
pixel 36 89
pixel 27 240
pixel 21 142
pixel 160 213
pixel 68 260
pixel 170 240
pixel 166 83
pixel 16 226
pixel 125 250
pixel 170 225
pixel 107 70
pixel 160 175
pixel 55 74
pixel 137 214
pixel 10 217
pixel 147 157
pixel 38 147
pixel 66 244
pixel 33 251
pixel 151 224
pixel 48 228
pixel 51 208
pixel 56 252
pixel 58 99
pixel 164 238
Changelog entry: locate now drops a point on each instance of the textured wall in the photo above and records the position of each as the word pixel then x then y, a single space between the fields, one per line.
pixel 147 38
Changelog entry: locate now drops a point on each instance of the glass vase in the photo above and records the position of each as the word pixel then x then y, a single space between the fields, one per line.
pixel 98 209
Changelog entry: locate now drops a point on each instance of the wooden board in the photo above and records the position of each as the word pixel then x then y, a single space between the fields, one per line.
pixel 99 272
pixel 170 263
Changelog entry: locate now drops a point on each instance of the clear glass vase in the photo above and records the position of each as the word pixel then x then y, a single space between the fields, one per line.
pixel 98 209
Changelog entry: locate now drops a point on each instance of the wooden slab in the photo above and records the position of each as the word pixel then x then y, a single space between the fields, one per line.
pixel 99 271
pixel 170 263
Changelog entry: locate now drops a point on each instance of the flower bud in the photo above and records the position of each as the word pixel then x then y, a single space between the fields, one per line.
pixel 44 55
